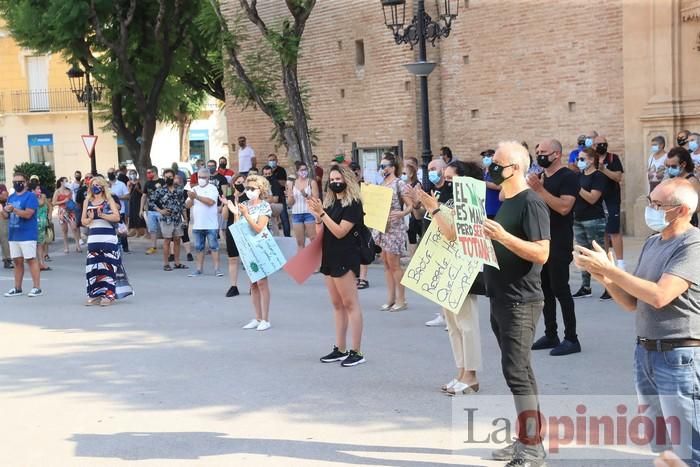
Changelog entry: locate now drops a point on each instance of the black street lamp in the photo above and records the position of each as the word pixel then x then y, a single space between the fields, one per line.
pixel 87 94
pixel 422 28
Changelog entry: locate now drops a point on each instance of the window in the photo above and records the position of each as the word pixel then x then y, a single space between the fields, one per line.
pixel 342 93
pixel 475 113
pixel 465 59
pixel 344 138
pixel 572 106
pixel 41 149
pixel 3 179
pixel 340 45
pixel 360 53
pixel 38 83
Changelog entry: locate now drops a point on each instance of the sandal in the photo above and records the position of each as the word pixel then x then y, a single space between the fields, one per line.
pixel 104 301
pixel 181 266
pixel 167 268
pixel 92 301
pixel 399 307
pixel 448 386
pixel 462 389
pixel 47 268
pixel 362 284
pixel 386 307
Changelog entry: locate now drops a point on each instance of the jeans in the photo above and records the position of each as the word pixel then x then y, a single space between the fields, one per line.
pixel 210 236
pixel 668 382
pixel 555 285
pixel 304 218
pixel 514 324
pixel 284 217
pixel 585 233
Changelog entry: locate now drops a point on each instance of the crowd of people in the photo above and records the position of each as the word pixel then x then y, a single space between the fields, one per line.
pixel 543 212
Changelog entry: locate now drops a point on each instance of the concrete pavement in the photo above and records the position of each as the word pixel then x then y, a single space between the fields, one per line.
pixel 168 378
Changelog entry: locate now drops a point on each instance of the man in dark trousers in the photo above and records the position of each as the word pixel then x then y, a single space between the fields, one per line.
pixel 520 235
pixel 558 187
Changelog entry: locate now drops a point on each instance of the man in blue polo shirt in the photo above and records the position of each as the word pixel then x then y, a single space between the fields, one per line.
pixel 20 209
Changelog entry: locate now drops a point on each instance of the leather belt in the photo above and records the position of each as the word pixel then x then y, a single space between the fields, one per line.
pixel 664 345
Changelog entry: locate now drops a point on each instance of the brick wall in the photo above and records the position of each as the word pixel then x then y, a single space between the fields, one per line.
pixel 527 60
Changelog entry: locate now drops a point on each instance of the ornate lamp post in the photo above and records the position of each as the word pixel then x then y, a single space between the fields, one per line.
pixel 422 28
pixel 87 94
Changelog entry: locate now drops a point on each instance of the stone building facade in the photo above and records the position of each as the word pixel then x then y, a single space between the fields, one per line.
pixel 520 69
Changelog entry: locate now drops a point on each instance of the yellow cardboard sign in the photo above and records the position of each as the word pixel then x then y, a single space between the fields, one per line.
pixel 439 270
pixel 376 202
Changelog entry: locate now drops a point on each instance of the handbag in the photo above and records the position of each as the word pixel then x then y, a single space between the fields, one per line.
pixel 366 244
pixel 49 234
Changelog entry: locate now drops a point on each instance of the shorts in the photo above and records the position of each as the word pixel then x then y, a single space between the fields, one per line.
pixel 613 224
pixel 171 230
pixel 153 222
pixel 210 236
pixel 26 249
pixel 305 218
pixel 231 248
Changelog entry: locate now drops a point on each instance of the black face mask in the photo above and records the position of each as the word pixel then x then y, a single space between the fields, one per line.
pixel 112 177
pixel 496 173
pixel 239 187
pixel 543 160
pixel 337 187
pixel 601 148
pixel 581 143
pixel 169 181
pixel 18 186
pixel 222 165
pixel 681 141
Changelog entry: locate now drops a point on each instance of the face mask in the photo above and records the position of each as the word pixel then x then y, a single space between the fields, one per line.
pixel 150 176
pixel 212 170
pixel 581 143
pixel 404 177
pixel 96 189
pixel 487 161
pixel 315 163
pixel 269 178
pixel 582 165
pixel 588 142
pixel 239 187
pixel 111 177
pixel 434 177
pixel 132 177
pixel 693 146
pixel 496 173
pixel 202 182
pixel 656 220
pixel 337 187
pixel 252 194
pixel 339 159
pixel 272 164
pixel 543 161
pixel 303 173
pixel 222 165
pixel 655 148
pixel 681 141
pixel 169 181
pixel 601 148
pixel 673 171
pixel 18 186
pixel 63 184
pixel 77 178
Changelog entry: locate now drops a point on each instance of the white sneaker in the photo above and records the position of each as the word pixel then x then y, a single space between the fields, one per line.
pixel 252 325
pixel 263 326
pixel 35 292
pixel 437 321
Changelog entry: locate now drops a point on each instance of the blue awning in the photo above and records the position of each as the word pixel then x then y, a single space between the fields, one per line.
pixel 199 135
pixel 40 140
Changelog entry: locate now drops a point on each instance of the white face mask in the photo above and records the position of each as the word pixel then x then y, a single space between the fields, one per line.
pixel 202 182
pixel 252 194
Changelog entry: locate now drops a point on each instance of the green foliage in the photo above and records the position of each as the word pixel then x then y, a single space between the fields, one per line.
pixel 46 174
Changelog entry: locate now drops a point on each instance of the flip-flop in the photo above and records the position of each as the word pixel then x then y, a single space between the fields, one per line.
pixel 181 266
pixel 167 268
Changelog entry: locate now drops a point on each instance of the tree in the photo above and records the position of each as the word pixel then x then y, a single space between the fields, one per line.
pixel 130 46
pixel 255 82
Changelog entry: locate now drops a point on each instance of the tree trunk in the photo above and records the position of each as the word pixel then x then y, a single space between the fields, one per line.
pixel 296 107
pixel 184 122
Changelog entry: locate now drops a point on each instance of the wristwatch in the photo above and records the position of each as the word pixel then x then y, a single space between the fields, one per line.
pixel 432 213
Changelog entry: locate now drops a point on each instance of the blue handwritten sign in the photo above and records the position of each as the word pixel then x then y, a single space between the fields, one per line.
pixel 259 253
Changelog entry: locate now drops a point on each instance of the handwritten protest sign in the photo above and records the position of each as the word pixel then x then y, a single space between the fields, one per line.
pixel 440 272
pixel 470 212
pixel 259 253
pixel 376 202
pixel 307 261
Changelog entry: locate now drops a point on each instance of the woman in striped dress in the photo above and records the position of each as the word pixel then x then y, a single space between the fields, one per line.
pixel 100 216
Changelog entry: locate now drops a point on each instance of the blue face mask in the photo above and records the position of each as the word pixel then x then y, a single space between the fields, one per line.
pixel 97 189
pixel 693 146
pixel 673 171
pixel 404 177
pixel 582 165
pixel 272 164
pixel 656 220
pixel 487 161
pixel 589 142
pixel 655 148
pixel 434 177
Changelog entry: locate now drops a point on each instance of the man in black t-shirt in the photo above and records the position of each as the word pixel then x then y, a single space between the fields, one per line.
pixel 558 187
pixel 610 165
pixel 520 235
pixel 218 180
pixel 439 187
pixel 280 174
pixel 278 202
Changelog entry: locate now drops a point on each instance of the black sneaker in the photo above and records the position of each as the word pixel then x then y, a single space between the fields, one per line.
pixel 190 257
pixel 605 296
pixel 354 358
pixel 171 258
pixel 545 342
pixel 507 453
pixel 232 291
pixel 566 347
pixel 583 292
pixel 7 264
pixel 335 356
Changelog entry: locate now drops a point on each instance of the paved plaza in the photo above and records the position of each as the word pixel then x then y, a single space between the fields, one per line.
pixel 168 378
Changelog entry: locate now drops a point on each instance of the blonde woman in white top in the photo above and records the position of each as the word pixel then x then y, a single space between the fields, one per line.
pixel 301 190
